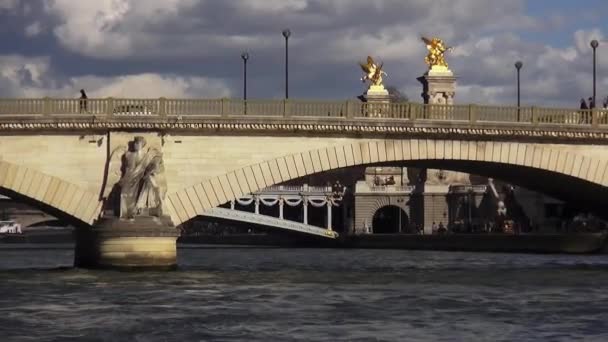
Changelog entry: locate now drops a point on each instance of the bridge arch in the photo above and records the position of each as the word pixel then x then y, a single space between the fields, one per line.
pixel 56 196
pixel 572 173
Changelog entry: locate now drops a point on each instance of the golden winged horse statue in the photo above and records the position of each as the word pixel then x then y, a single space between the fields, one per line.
pixel 373 72
pixel 436 51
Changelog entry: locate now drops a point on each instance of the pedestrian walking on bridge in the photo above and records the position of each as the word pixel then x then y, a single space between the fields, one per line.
pixel 83 101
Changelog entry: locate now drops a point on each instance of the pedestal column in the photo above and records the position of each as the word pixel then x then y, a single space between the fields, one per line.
pixel 281 205
pixel 438 86
pixel 305 209
pixel 377 101
pixel 143 243
pixel 435 201
pixel 329 205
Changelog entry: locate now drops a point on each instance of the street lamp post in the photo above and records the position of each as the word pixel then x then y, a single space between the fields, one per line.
pixel 286 34
pixel 594 45
pixel 245 57
pixel 518 66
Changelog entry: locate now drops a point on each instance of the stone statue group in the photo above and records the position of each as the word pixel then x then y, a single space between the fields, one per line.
pixel 135 183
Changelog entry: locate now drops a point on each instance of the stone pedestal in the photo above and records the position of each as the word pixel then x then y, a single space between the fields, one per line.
pixel 377 94
pixel 378 100
pixel 435 207
pixel 144 243
pixel 438 86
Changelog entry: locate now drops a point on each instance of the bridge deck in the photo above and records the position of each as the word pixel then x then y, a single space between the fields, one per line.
pixel 270 221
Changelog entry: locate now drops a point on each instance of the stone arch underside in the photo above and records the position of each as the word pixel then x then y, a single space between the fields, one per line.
pixel 386 201
pixel 379 202
pixel 50 194
pixel 398 225
pixel 526 164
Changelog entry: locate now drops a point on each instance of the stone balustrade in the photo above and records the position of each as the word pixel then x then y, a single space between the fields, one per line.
pixel 297 117
pixel 362 187
pixel 111 109
pixel 464 189
pixel 297 189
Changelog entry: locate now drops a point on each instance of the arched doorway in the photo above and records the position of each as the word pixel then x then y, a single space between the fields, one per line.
pixel 390 219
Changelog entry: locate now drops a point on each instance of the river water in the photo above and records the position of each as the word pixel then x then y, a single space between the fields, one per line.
pixel 275 294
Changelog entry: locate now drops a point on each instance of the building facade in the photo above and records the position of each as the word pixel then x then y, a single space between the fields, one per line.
pixel 429 201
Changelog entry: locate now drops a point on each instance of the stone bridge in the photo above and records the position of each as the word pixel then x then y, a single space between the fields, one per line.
pixel 54 152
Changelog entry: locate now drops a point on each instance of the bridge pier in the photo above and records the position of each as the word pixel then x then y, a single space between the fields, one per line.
pixel 144 243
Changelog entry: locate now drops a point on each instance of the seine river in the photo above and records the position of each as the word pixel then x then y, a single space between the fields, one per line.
pixel 256 294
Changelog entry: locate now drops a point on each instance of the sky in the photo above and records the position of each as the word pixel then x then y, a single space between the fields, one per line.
pixel 192 48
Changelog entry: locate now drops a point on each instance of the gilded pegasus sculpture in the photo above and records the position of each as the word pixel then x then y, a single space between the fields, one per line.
pixel 373 72
pixel 436 51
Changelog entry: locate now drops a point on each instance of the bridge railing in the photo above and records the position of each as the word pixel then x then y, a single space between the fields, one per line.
pixel 468 188
pixel 110 108
pixel 391 188
pixel 296 188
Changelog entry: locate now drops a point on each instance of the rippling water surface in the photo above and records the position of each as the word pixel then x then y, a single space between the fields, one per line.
pixel 255 294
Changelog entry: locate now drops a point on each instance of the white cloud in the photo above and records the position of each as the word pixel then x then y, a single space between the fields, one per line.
pixel 32 77
pixel 274 5
pixel 8 4
pixel 24 70
pixel 109 28
pixel 89 27
pixel 151 86
pixel 552 57
pixel 33 29
pixel 150 28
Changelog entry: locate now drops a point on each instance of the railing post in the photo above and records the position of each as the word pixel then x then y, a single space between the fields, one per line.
pixel 472 113
pixel 110 105
pixel 46 106
pixel 354 108
pixel 347 109
pixel 533 115
pixel 594 118
pixel 162 103
pixel 286 108
pixel 408 112
pixel 224 109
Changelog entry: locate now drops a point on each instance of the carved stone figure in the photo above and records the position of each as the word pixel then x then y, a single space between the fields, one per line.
pixel 436 51
pixel 373 72
pixel 136 180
